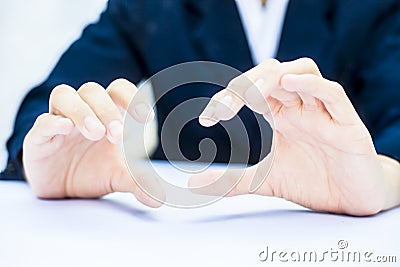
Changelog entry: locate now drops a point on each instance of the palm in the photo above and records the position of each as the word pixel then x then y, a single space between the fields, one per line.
pixel 79 168
pixel 324 158
pixel 74 151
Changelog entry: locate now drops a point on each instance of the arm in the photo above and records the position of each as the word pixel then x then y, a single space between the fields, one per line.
pixel 378 97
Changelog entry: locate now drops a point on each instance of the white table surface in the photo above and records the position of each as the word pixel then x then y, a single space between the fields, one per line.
pixel 118 231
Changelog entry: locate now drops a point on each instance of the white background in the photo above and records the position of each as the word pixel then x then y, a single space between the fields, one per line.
pixel 33 35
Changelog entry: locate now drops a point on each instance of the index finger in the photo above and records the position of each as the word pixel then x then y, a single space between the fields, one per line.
pixel 126 95
pixel 253 88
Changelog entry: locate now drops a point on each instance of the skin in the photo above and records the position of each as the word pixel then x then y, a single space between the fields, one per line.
pixel 324 156
pixel 75 151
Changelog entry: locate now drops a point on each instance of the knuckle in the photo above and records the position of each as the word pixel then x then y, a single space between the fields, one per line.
pixel 89 88
pixel 234 82
pixel 60 90
pixel 58 95
pixel 272 67
pixel 307 60
pixel 270 62
pixel 219 95
pixel 309 63
pixel 41 118
pixel 337 86
pixel 108 113
pixel 118 84
pixel 243 80
pixel 77 111
pixel 237 86
pixel 338 91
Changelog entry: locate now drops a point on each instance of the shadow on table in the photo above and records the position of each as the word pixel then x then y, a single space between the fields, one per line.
pixel 129 209
pixel 144 215
pixel 276 213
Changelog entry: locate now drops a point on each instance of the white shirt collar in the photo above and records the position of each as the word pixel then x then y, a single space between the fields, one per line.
pixel 263 26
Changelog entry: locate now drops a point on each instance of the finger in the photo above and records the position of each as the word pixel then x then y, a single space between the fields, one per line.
pixel 288 99
pixel 236 92
pixel 105 109
pixel 331 94
pixel 46 135
pixel 275 106
pixel 273 68
pixel 47 126
pixel 223 105
pixel 231 182
pixel 65 101
pixel 255 86
pixel 145 187
pixel 126 95
pixel 301 66
pixel 267 76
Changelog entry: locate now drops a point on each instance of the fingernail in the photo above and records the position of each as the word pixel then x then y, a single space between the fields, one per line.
pixel 91 124
pixel 253 94
pixel 144 111
pixel 115 129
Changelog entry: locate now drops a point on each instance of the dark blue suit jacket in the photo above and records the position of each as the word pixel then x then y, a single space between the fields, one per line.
pixel 356 43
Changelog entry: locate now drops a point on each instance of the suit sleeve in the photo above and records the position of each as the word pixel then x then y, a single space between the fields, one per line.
pixel 103 53
pixel 380 83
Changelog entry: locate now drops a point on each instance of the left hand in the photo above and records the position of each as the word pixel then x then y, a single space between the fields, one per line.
pixel 324 157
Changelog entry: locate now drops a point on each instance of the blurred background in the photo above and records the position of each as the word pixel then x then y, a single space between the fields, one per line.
pixel 33 35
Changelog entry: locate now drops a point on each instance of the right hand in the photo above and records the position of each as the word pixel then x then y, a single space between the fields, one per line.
pixel 75 151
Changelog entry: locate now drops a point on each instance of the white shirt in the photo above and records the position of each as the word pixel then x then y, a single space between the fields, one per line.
pixel 262 26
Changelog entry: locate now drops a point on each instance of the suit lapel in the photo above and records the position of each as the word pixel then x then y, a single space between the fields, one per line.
pixel 217 33
pixel 307 31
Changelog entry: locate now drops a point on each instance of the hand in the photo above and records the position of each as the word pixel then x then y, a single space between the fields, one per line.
pixel 323 156
pixel 75 149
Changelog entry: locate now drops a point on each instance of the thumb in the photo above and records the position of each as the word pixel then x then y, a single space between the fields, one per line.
pixel 232 182
pixel 46 136
pixel 144 186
